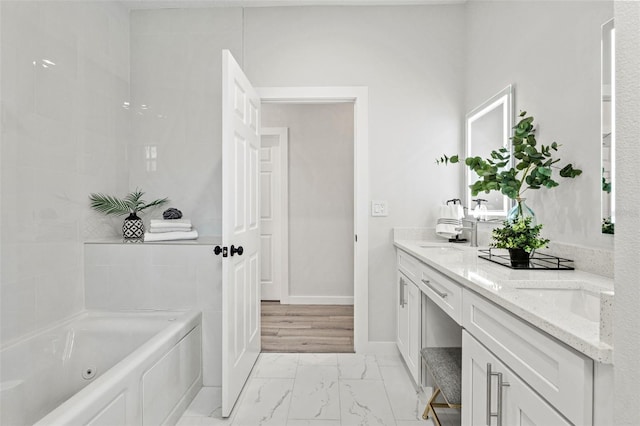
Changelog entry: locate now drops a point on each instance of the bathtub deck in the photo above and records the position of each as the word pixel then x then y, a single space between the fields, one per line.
pixel 307 328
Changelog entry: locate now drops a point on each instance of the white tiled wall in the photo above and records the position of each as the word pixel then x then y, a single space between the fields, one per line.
pixel 65 81
pixel 176 74
pixel 161 276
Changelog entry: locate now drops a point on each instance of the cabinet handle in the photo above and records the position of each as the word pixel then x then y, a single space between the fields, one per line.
pixel 405 294
pixel 489 374
pixel 501 384
pixel 436 291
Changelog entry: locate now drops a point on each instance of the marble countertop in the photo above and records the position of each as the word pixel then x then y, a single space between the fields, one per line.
pixel 580 318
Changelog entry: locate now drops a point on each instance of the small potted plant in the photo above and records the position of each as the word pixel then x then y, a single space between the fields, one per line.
pixel 131 204
pixel 520 238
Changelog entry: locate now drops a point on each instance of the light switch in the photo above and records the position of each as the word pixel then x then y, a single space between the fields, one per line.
pixel 379 208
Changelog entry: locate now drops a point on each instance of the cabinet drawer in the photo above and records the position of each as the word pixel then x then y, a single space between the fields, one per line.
pixel 409 266
pixel 444 292
pixel 559 374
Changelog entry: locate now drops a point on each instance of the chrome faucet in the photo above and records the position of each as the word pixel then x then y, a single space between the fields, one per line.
pixel 473 230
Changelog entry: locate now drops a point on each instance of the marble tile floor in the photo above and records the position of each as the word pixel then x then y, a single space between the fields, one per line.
pixel 327 389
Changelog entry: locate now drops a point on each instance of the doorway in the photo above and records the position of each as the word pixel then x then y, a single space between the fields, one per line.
pixel 313 311
pixel 356 98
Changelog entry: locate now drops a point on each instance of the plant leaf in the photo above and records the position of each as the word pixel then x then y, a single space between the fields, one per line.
pixel 569 172
pixel 108 204
pixel 544 171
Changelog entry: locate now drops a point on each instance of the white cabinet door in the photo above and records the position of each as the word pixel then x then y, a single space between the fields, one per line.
pixel 513 404
pixel 402 319
pixel 414 305
pixel 409 324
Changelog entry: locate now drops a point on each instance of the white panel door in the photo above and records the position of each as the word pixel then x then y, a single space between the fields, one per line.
pixel 240 229
pixel 274 253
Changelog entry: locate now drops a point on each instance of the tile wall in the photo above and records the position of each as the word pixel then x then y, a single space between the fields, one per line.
pixel 176 74
pixel 161 276
pixel 65 129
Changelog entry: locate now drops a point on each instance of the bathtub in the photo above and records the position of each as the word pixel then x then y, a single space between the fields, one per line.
pixel 104 368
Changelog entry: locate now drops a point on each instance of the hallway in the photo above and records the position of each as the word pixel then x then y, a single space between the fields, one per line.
pixel 306 328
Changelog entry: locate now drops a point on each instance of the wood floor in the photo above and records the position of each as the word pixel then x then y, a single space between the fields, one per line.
pixel 306 328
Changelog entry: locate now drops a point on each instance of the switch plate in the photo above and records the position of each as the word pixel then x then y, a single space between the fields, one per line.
pixel 379 208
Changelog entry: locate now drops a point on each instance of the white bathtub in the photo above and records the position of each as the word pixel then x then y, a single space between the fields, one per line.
pixel 104 368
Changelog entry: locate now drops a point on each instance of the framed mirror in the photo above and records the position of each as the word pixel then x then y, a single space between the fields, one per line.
pixel 489 127
pixel 608 161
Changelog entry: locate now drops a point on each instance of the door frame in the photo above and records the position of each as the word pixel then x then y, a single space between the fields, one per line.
pixel 283 139
pixel 359 96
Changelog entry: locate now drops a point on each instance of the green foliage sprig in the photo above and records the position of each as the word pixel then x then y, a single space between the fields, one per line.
pixel 606 185
pixel 519 234
pixel 132 203
pixel 533 168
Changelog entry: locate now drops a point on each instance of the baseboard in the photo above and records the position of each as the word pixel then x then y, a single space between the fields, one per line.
pixel 318 300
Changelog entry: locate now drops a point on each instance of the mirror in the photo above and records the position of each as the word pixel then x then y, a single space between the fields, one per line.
pixel 489 127
pixel 608 163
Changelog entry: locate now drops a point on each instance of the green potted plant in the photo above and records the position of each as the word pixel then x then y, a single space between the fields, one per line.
pixel 131 204
pixel 520 238
pixel 532 168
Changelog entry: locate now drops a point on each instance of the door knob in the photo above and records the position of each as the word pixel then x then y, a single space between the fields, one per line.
pixel 238 250
pixel 217 250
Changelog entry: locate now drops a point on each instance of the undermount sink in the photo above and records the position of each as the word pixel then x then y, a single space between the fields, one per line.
pixel 441 248
pixel 583 303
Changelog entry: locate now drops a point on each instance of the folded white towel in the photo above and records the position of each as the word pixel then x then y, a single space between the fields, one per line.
pixel 170 236
pixel 171 223
pixel 450 221
pixel 155 229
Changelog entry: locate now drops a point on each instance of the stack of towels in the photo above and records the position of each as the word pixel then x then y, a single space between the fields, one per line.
pixel 449 222
pixel 170 230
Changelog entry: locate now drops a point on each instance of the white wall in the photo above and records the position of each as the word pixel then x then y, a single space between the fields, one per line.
pixel 627 256
pixel 320 196
pixel 411 59
pixel 551 52
pixel 65 78
pixel 176 87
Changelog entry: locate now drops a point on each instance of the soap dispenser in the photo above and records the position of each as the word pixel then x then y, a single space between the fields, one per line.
pixel 480 210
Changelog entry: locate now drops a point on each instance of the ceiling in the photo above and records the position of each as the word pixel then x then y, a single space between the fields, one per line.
pixel 175 4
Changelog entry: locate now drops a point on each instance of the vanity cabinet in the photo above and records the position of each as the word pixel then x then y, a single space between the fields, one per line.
pixel 544 381
pixel 494 395
pixel 409 314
